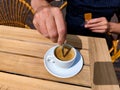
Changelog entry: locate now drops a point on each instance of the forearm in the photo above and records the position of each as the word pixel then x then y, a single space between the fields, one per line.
pixel 38 3
pixel 114 27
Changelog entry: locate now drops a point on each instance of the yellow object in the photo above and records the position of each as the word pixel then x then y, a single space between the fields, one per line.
pixel 88 16
pixel 116 56
pixel 63 5
pixel 115 53
pixel 15 13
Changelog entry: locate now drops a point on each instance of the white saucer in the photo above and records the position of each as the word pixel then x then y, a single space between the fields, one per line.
pixel 63 72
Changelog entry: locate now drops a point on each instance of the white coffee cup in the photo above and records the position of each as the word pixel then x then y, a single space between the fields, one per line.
pixel 52 58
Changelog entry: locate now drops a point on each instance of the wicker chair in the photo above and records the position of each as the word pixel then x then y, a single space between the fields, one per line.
pixel 115 51
pixel 15 13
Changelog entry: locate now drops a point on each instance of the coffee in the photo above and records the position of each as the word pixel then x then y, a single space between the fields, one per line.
pixel 69 53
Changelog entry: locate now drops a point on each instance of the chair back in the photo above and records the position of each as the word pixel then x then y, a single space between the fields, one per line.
pixel 16 13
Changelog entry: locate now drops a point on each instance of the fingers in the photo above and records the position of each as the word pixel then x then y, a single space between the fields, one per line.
pixel 99 25
pixel 90 25
pixel 95 20
pixel 60 25
pixel 50 23
pixel 51 28
pixel 98 30
pixel 40 25
pixel 43 27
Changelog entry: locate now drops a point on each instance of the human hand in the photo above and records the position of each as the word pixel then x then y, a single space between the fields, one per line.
pixel 49 22
pixel 99 25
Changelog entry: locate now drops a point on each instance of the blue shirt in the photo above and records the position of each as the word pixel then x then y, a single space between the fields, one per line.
pixel 99 8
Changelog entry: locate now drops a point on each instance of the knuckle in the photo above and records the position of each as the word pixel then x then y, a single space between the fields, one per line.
pixel 34 22
pixel 54 35
pixel 45 10
pixel 106 23
pixel 36 15
pixel 57 10
pixel 104 19
pixel 62 31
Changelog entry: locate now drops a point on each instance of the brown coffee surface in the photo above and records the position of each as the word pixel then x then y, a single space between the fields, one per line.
pixel 69 53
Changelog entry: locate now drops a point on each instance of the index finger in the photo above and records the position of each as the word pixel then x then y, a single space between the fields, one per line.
pixel 95 20
pixel 61 27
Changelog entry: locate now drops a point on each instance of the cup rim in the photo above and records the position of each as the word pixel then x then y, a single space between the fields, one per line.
pixel 66 61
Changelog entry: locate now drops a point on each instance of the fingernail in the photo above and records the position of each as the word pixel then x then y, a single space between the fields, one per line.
pixel 85 25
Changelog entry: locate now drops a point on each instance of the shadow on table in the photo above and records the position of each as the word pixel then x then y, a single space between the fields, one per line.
pixel 75 41
pixel 103 74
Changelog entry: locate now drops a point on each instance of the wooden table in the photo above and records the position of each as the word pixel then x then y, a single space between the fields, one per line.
pixel 22 67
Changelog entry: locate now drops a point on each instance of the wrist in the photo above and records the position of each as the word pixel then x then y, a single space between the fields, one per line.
pixel 39 3
pixel 114 27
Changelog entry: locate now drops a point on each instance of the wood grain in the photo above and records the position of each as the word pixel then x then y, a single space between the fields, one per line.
pixel 102 72
pixel 14 82
pixel 22 52
pixel 34 67
pixel 34 36
pixel 31 48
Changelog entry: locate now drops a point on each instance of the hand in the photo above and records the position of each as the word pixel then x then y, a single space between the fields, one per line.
pixel 49 22
pixel 99 25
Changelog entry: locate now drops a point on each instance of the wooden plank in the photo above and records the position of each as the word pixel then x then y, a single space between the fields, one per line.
pixel 34 67
pixel 22 34
pixel 34 36
pixel 14 82
pixel 102 72
pixel 31 49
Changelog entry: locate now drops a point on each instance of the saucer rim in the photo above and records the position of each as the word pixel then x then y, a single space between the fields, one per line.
pixel 59 76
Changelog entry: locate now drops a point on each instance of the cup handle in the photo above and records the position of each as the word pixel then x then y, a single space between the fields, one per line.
pixel 50 59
